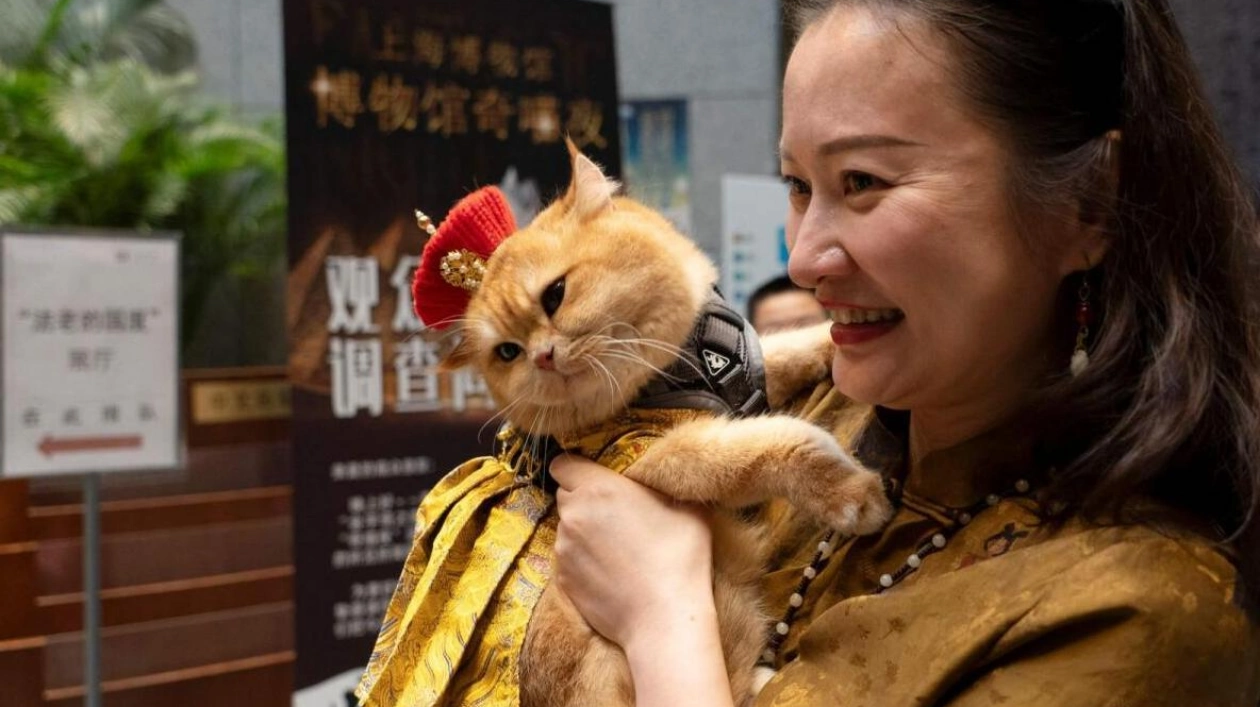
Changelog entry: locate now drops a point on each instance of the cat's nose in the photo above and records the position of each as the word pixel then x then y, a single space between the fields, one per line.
pixel 546 358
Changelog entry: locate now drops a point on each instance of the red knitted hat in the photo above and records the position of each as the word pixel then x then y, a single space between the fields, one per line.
pixel 454 259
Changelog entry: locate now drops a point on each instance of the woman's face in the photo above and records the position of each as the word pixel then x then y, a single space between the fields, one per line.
pixel 902 220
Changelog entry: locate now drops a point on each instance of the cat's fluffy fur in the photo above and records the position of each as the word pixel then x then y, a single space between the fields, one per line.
pixel 633 286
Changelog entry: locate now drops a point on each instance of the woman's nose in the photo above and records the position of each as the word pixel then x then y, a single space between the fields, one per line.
pixel 815 248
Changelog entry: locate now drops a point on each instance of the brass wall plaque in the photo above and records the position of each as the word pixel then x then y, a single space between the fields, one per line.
pixel 216 402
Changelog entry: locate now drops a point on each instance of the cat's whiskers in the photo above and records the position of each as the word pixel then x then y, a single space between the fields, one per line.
pixel 532 435
pixel 655 344
pixel 413 335
pixel 648 343
pixel 591 346
pixel 598 366
pixel 598 336
pixel 452 327
pixel 458 325
pixel 612 380
pixel 594 340
pixel 610 344
pixel 502 413
pixel 637 358
pixel 633 329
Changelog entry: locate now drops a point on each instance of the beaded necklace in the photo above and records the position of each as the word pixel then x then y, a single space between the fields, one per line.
pixel 938 541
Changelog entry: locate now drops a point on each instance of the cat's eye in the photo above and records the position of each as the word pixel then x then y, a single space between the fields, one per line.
pixel 553 296
pixel 507 351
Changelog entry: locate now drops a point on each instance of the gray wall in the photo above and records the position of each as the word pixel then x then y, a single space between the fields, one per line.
pixel 240 51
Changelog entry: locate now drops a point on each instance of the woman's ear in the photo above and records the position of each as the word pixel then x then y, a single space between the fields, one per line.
pixel 590 192
pixel 1096 212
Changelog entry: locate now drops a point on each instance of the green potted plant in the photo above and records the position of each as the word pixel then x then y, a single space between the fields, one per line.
pixel 101 125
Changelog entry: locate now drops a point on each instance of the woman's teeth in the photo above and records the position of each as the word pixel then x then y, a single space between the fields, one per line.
pixel 866 316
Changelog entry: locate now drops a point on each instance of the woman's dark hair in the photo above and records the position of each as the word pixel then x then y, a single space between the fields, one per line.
pixel 1169 405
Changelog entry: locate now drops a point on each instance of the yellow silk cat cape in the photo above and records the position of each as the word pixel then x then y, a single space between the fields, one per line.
pixel 482 553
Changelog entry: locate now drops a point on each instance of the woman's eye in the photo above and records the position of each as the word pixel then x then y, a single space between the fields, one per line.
pixel 857 182
pixel 507 351
pixel 796 186
pixel 553 297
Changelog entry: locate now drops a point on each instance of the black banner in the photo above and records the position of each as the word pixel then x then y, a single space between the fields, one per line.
pixel 393 106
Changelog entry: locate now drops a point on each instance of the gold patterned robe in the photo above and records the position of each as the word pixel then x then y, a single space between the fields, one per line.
pixel 482 553
pixel 1012 612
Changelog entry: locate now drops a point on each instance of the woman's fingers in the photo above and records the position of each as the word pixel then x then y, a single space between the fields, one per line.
pixel 571 471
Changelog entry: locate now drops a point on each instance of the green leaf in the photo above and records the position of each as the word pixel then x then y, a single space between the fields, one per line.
pixel 168 192
pixel 23 204
pixel 147 31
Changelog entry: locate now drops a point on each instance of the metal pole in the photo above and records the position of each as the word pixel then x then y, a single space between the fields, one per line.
pixel 92 590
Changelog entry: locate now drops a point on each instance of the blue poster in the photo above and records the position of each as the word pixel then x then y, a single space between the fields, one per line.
pixel 654 161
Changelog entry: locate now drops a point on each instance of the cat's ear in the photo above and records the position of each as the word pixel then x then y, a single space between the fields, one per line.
pixel 459 356
pixel 590 192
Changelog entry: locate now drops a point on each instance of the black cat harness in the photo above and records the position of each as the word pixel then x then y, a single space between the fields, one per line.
pixel 721 368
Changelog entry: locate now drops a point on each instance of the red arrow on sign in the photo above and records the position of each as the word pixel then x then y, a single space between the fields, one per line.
pixel 49 446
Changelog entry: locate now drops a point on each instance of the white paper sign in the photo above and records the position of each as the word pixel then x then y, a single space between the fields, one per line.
pixel 89 353
pixel 754 211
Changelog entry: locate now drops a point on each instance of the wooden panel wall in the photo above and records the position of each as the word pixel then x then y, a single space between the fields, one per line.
pixel 197 573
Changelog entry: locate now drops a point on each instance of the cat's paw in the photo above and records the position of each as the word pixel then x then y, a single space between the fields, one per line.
pixel 796 360
pixel 842 493
pixel 860 505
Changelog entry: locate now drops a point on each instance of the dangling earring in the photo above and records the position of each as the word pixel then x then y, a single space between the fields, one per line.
pixel 1080 357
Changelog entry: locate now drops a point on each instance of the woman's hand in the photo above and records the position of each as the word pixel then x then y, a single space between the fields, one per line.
pixel 639 568
pixel 632 560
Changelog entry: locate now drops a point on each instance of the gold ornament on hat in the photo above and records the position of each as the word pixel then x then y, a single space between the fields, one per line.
pixel 425 223
pixel 463 268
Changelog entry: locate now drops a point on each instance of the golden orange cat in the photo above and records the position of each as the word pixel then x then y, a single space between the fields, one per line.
pixel 574 323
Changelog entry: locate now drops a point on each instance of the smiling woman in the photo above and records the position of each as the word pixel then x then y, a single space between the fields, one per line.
pixel 1040 266
pixel 900 203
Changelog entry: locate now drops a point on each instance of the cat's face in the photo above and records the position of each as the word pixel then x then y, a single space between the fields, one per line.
pixel 579 310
